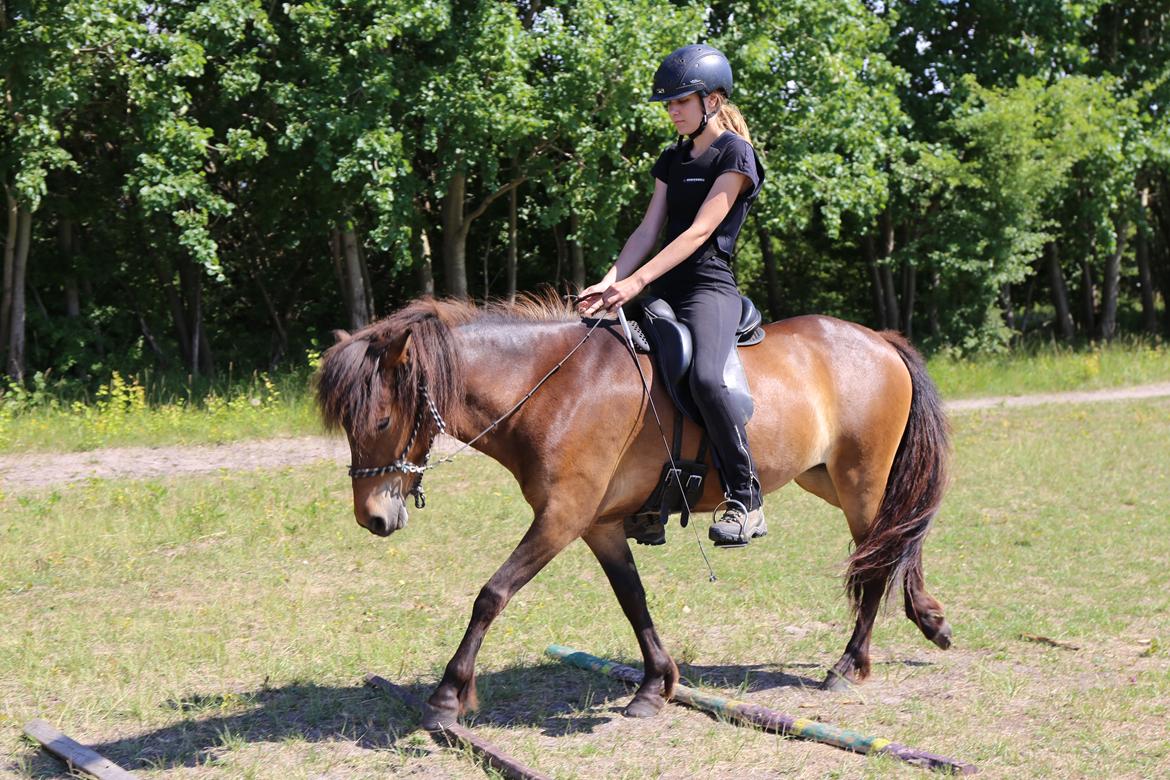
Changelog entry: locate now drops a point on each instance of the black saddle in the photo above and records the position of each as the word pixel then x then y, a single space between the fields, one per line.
pixel 673 350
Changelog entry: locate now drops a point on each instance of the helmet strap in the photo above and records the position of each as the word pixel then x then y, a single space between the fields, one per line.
pixel 706 116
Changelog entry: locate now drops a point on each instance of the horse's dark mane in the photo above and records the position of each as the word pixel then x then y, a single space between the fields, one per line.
pixel 354 390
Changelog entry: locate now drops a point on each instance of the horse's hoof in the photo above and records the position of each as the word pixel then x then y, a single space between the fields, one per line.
pixel 644 706
pixel 942 637
pixel 836 682
pixel 435 719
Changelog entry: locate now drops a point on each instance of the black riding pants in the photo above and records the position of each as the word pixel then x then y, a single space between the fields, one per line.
pixel 712 312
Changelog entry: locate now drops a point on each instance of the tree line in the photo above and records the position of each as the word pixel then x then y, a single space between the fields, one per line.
pixel 195 183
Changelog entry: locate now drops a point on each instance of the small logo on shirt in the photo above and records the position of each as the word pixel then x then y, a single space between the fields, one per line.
pixel 695 180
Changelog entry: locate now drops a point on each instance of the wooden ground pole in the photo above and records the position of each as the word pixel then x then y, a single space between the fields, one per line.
pixel 458 736
pixel 75 755
pixel 769 720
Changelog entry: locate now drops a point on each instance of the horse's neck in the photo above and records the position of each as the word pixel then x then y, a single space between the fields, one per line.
pixel 503 362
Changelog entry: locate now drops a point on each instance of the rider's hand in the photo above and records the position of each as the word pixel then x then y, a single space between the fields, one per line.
pixel 616 295
pixel 590 296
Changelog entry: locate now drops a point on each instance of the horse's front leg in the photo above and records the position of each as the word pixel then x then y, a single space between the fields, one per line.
pixel 455 693
pixel 608 543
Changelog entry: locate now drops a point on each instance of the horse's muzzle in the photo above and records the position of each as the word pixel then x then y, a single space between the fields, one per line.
pixel 392 520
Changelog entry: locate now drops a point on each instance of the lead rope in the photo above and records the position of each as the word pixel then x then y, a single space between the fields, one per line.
pixel 669 455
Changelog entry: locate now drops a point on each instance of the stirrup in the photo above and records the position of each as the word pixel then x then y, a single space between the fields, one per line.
pixel 735 532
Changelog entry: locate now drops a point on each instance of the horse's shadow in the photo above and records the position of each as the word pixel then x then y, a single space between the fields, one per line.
pixel 747 677
pixel 557 699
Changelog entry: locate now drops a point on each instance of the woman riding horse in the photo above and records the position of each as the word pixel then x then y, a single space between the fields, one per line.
pixel 703 189
pixel 849 414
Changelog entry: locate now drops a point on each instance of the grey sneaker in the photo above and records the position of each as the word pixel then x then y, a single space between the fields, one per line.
pixel 736 529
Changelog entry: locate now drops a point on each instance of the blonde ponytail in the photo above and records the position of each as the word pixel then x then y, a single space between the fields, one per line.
pixel 731 118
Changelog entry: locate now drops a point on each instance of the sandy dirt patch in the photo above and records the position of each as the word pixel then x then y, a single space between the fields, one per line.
pixel 32 471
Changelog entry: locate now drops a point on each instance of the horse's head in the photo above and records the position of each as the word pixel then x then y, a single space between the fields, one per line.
pixel 374 385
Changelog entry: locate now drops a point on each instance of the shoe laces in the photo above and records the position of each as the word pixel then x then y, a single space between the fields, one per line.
pixel 734 515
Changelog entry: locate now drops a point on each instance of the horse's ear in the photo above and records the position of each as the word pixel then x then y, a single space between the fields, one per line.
pixel 395 350
pixel 340 336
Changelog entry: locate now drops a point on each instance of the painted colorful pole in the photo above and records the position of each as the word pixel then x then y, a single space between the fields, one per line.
pixel 769 720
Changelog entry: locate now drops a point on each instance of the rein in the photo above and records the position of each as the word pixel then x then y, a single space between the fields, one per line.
pixel 404 466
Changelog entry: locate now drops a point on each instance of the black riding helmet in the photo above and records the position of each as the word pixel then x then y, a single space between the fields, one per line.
pixel 694 68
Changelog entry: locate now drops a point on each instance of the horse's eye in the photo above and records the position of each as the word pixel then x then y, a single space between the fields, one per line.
pixel 383 424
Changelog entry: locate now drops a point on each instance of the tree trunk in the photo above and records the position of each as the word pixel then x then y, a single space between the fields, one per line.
pixel 562 254
pixel 151 341
pixel 888 246
pixel 196 312
pixel 178 315
pixel 424 270
pixel 909 292
pixel 367 285
pixel 513 245
pixel 1109 290
pixel 1064 322
pixel 67 245
pixel 878 294
pixel 1029 299
pixel 198 347
pixel 335 252
pixel 455 237
pixel 1009 310
pixel 1088 294
pixel 9 269
pixel 771 274
pixel 487 253
pixel 457 225
pixel 932 308
pixel 576 252
pixel 16 332
pixel 273 315
pixel 1145 278
pixel 355 280
pixel 1159 248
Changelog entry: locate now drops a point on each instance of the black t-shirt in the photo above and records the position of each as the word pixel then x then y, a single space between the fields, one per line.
pixel 688 182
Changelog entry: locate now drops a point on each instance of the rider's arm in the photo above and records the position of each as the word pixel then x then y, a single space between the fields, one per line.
pixel 640 242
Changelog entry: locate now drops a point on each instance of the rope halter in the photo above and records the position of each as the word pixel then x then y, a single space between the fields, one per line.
pixel 402 465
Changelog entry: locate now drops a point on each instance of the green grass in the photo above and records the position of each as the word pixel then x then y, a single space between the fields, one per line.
pixel 124 412
pixel 220 627
pixel 1049 368
pixel 158 412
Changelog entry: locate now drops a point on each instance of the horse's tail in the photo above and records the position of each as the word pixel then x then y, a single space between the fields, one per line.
pixel 914 488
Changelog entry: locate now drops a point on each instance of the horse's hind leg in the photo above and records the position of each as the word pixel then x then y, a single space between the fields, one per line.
pixel 455 693
pixel 860 496
pixel 853 665
pixel 923 609
pixel 608 543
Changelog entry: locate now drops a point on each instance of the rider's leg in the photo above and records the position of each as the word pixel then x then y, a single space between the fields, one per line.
pixel 712 313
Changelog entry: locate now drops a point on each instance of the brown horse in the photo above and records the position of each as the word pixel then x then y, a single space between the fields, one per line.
pixel 848 413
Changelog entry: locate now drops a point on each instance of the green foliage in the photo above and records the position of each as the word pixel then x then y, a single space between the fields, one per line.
pixel 150 411
pixel 820 99
pixel 187 164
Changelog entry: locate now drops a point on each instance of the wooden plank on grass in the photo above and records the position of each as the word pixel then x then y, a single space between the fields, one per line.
pixel 77 756
pixel 458 736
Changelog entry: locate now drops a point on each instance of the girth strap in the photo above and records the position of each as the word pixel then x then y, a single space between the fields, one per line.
pixel 682 486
